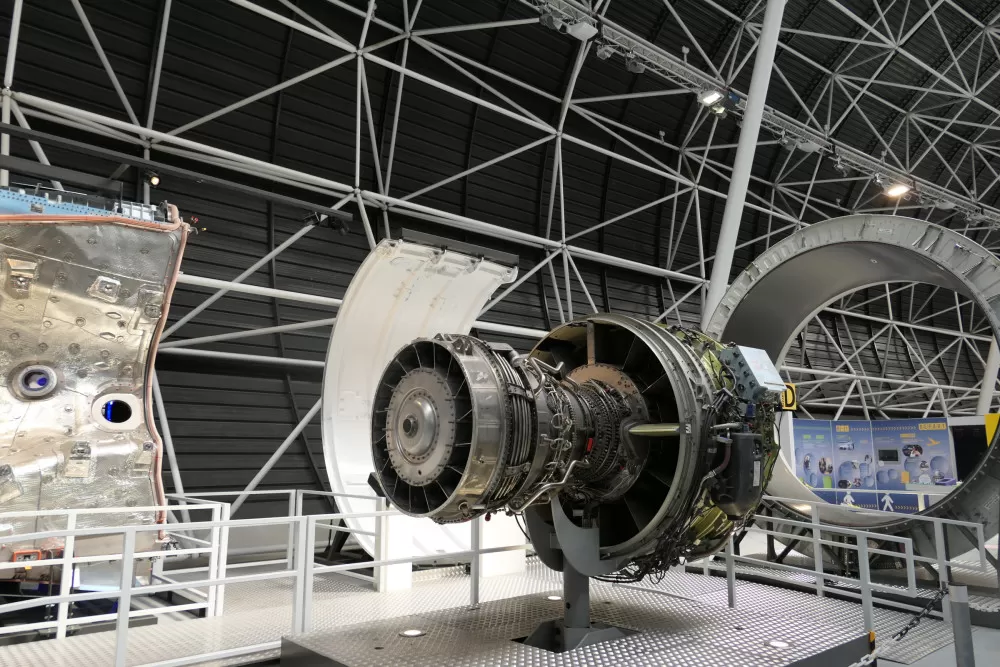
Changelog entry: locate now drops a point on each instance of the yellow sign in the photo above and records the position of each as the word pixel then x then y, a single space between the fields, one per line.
pixel 843 428
pixel 935 426
pixel 790 398
pixel 991 426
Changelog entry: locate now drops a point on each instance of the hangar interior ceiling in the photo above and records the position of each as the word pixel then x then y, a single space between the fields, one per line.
pixel 594 161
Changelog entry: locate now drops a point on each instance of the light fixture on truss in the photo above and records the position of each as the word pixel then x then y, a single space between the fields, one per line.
pixel 634 65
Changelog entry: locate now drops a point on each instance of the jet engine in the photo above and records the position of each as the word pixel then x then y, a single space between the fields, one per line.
pixel 660 436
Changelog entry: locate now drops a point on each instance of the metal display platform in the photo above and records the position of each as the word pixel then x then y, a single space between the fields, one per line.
pixel 672 631
pixel 259 614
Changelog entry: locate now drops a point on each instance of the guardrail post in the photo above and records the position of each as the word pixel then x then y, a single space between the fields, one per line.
pixel 289 551
pixel 308 573
pixel 213 561
pixel 817 546
pixel 393 540
pixel 475 568
pixel 866 584
pixel 381 545
pixel 223 558
pixel 125 596
pixel 941 549
pixel 302 562
pixel 961 626
pixel 730 573
pixel 66 575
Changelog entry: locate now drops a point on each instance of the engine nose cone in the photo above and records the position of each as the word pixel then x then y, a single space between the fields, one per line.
pixel 416 425
pixel 420 429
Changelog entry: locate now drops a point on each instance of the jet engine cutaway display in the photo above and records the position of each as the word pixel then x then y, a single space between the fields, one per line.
pixel 662 437
pixel 611 419
pixel 84 291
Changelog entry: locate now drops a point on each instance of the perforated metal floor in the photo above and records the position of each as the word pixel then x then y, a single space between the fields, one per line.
pixel 674 632
pixel 260 614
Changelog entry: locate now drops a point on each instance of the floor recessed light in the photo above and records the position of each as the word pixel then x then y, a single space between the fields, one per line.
pixel 412 633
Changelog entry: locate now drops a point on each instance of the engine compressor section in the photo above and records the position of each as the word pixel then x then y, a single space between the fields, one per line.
pixel 660 437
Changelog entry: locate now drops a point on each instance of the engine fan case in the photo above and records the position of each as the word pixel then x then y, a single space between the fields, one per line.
pixel 784 288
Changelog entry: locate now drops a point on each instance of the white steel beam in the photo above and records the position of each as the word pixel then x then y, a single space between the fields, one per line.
pixel 743 165
pixel 244 358
pixel 988 390
pixel 278 453
pixel 8 81
pixel 236 335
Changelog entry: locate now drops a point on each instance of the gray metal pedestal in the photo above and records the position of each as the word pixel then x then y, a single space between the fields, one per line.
pixel 575 629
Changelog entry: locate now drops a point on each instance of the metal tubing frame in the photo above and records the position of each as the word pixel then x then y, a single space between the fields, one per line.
pixel 682 77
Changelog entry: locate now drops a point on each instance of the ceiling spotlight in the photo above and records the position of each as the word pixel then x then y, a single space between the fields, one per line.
pixel 897 189
pixel 841 168
pixel 807 146
pixel 412 633
pixel 553 598
pixel 785 141
pixel 152 178
pixel 582 30
pixel 777 643
pixel 719 110
pixel 551 21
pixel 944 204
pixel 709 97
pixel 634 65
pixel 604 51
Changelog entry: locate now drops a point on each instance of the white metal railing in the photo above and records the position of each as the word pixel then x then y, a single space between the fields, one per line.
pixel 812 534
pixel 70 559
pixel 204 586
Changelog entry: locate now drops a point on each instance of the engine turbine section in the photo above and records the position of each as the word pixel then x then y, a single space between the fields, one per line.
pixel 661 436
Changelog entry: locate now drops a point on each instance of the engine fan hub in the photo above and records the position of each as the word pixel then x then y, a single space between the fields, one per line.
pixel 421 426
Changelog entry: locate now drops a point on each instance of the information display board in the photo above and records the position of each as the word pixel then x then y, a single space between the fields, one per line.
pixel 883 465
pixel 913 452
pixel 853 455
pixel 814 453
